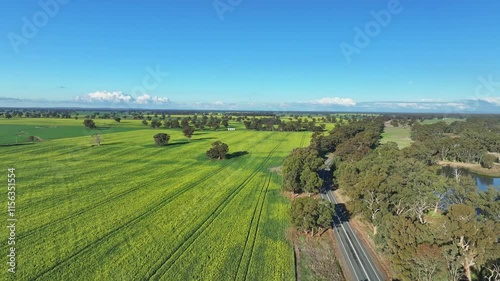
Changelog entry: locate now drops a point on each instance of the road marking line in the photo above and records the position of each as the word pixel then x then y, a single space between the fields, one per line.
pixel 360 245
pixel 352 246
pixel 343 246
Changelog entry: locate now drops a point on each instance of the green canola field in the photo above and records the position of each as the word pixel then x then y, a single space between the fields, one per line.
pixel 128 210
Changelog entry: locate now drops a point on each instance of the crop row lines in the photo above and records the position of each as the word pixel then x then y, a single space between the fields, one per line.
pixel 200 228
pixel 131 222
pixel 256 213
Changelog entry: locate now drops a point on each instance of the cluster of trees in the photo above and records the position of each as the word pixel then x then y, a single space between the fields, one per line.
pixel 309 215
pixel 36 113
pixel 350 141
pixel 302 168
pixel 430 226
pixel 300 171
pixel 409 119
pixel 212 122
pixel 461 141
pixel 276 124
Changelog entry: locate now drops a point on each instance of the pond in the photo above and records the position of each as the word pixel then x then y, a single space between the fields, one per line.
pixel 482 182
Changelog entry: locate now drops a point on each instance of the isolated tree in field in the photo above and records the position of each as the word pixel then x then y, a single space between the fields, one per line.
pixel 144 122
pixel 89 123
pixel 96 139
pixel 155 124
pixel 300 171
pixel 118 119
pixel 309 214
pixel 188 132
pixel 218 150
pixel 161 139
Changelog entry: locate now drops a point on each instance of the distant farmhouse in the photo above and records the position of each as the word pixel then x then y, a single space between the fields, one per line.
pixel 231 129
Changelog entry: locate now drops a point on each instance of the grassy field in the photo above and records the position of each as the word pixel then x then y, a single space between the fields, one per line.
pixel 399 135
pixel 128 210
pixel 17 130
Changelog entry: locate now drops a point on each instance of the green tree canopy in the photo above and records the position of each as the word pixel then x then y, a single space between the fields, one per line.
pixel 309 214
pixel 218 150
pixel 89 123
pixel 300 170
pixel 161 139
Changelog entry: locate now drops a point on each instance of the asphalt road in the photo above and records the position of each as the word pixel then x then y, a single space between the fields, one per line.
pixel 357 257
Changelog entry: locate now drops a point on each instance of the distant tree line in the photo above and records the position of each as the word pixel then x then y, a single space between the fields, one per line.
pixel 277 124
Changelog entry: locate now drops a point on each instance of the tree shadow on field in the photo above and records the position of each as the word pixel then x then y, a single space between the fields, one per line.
pixel 16 144
pixel 204 139
pixel 177 143
pixel 236 154
pixel 110 143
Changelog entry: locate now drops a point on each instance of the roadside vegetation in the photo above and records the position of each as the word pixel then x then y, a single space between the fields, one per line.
pixel 428 226
pixel 317 259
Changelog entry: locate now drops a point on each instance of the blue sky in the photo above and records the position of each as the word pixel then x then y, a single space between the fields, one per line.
pixel 251 54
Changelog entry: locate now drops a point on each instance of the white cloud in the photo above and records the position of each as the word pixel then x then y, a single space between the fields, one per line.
pixel 105 96
pixel 419 105
pixel 492 100
pixel 120 97
pixel 335 101
pixel 160 100
pixel 219 103
pixel 456 105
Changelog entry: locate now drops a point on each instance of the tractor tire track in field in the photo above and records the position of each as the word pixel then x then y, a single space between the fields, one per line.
pixel 257 228
pixel 133 221
pixel 91 207
pixel 201 227
pixel 81 211
pixel 257 210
